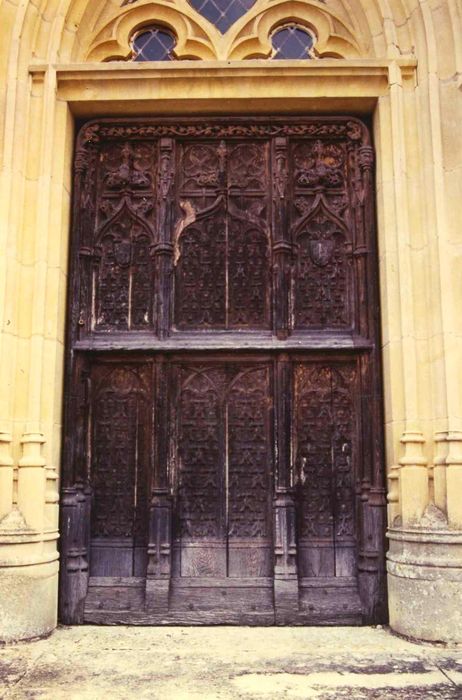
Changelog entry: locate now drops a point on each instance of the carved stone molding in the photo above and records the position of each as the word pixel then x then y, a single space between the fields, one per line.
pixel 438 471
pixel 32 478
pixel 6 475
pixel 413 479
pixel 248 37
pixel 413 456
pixel 454 440
pixel 454 478
pixel 32 450
pixel 13 524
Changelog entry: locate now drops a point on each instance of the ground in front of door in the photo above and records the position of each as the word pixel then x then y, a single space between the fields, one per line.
pixel 224 663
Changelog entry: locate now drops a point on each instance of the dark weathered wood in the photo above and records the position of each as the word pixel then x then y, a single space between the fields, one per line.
pixel 160 511
pixel 182 618
pixel 120 446
pixel 330 601
pixel 223 375
pixel 74 569
pixel 282 244
pixel 285 528
pixel 163 248
pixel 223 452
pixel 221 239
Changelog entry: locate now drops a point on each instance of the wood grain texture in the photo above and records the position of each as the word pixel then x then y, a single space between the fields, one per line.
pixel 224 416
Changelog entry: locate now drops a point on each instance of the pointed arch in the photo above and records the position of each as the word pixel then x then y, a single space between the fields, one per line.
pixel 322 270
pixel 123 279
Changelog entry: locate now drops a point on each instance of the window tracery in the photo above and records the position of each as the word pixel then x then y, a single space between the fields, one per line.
pixel 222 13
pixel 292 42
pixel 224 30
pixel 153 44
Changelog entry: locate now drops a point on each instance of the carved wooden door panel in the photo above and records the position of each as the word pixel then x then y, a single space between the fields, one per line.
pixel 119 471
pixel 223 443
pixel 222 449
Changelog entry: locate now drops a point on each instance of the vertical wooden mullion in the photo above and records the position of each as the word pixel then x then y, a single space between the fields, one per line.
pixel 75 490
pixel 371 560
pixel 223 190
pixel 75 502
pixel 160 512
pixel 285 548
pixel 366 163
pixel 162 250
pixel 333 483
pixel 282 247
pixel 225 480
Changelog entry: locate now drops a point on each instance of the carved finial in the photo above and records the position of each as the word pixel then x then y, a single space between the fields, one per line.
pixel 90 134
pixel 354 131
pixel 80 162
pixel 222 151
pixel 366 158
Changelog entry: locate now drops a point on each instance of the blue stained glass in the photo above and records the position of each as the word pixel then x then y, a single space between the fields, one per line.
pixel 222 13
pixel 291 43
pixel 153 44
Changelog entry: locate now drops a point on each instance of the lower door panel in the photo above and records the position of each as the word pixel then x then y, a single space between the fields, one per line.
pixel 222 459
pixel 183 514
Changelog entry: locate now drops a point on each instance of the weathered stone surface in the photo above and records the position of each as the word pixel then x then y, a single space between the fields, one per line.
pixel 425 581
pixel 28 602
pixel 229 663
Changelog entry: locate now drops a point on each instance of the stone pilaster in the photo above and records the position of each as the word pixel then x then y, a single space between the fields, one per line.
pixel 32 480
pixel 439 471
pixel 454 479
pixel 413 478
pixel 394 508
pixel 6 475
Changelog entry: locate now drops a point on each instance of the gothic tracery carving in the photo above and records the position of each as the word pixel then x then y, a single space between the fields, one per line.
pixel 223 424
pixel 215 228
pixel 225 30
pixel 222 228
pixel 222 267
pixel 322 284
pixel 123 275
pixel 120 435
pixel 326 439
pixel 249 455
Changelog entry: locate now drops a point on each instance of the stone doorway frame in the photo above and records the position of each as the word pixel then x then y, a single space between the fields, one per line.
pixel 383 89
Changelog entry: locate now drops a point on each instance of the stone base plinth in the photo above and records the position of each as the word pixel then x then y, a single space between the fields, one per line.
pixel 425 584
pixel 28 600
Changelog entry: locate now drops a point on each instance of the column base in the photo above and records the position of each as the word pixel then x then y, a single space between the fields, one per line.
pixel 28 580
pixel 28 601
pixel 425 584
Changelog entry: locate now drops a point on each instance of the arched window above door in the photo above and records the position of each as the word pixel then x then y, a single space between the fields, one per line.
pixel 222 13
pixel 292 42
pixel 160 30
pixel 153 44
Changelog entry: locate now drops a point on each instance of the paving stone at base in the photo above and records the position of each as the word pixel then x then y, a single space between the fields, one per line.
pixel 228 664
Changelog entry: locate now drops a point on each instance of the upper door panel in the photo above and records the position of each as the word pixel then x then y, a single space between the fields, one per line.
pixel 222 236
pixel 260 228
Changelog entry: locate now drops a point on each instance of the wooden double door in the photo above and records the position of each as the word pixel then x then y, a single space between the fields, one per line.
pixel 223 442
